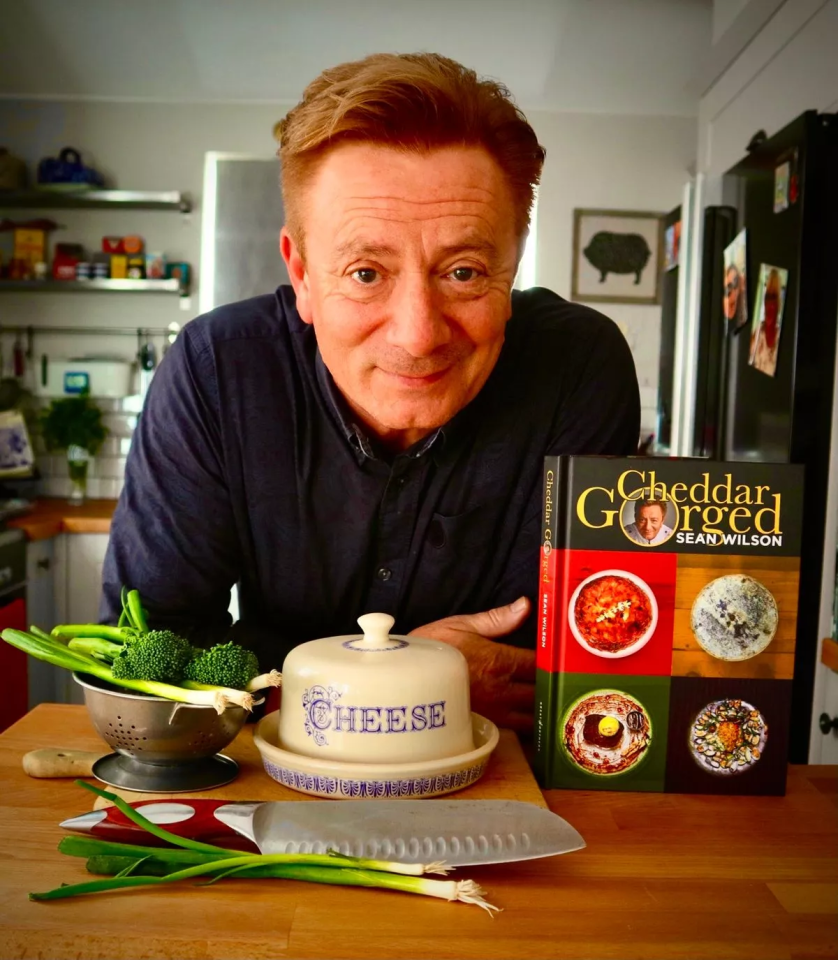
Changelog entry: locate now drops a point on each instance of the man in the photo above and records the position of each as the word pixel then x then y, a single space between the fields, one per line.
pixel 372 437
pixel 734 298
pixel 648 527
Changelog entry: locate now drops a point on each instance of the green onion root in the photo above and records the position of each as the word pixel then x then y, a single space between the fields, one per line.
pixel 231 696
pixel 265 680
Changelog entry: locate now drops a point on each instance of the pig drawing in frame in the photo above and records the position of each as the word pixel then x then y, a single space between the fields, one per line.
pixel 618 253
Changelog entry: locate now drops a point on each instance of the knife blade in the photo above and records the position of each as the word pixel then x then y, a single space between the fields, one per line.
pixel 461 832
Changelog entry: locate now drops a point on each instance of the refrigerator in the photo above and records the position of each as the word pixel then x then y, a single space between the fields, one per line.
pixel 764 390
pixel 670 282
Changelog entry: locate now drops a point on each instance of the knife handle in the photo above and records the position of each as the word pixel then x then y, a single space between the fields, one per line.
pixel 191 818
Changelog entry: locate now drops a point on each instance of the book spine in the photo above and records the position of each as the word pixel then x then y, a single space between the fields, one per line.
pixel 549 594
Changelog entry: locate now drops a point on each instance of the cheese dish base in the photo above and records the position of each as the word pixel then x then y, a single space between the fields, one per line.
pixel 351 781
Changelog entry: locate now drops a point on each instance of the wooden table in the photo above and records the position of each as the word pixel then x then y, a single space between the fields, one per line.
pixel 662 876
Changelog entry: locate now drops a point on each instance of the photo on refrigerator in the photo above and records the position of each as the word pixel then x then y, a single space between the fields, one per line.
pixel 768 318
pixel 735 301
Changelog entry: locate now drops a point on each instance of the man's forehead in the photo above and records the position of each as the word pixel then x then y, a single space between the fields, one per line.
pixel 371 237
pixel 375 200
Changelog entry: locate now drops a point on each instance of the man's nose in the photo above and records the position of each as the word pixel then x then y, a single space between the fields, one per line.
pixel 416 324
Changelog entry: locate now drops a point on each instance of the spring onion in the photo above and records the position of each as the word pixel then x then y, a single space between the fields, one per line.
pixel 136 614
pixel 69 631
pixel 164 662
pixel 158 656
pixel 273 678
pixel 285 866
pixel 262 682
pixel 55 652
pixel 130 866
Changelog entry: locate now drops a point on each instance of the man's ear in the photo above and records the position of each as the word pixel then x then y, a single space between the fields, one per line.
pixel 297 273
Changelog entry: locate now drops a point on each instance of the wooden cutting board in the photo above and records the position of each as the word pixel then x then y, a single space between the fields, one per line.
pixel 507 777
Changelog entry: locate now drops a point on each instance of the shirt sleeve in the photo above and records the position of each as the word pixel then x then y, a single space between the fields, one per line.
pixel 173 533
pixel 599 410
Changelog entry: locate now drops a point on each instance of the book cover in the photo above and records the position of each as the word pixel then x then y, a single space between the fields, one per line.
pixel 667 620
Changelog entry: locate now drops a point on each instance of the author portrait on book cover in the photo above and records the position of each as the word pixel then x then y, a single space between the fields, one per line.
pixel 650 522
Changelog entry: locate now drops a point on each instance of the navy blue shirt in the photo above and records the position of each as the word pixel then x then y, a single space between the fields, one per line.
pixel 246 468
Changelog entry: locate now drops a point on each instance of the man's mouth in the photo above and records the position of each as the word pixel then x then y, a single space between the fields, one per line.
pixel 416 379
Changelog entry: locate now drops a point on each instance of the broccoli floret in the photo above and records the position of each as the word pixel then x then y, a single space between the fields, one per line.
pixel 225 665
pixel 159 655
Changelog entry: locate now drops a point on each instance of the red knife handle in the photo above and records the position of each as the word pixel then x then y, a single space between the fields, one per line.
pixel 196 821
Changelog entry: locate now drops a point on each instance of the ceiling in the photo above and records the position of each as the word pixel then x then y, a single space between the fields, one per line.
pixel 601 56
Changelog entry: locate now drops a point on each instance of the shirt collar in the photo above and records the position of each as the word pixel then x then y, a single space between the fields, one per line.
pixel 365 447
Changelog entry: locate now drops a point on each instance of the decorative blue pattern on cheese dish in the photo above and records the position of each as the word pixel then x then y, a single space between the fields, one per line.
pixel 337 787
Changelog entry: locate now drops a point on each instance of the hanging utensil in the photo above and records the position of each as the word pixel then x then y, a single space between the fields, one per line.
pixel 148 354
pixel 147 359
pixel 18 356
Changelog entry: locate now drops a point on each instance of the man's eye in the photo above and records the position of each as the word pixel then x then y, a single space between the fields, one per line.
pixel 464 274
pixel 365 275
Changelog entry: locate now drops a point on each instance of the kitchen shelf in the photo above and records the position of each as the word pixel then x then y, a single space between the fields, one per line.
pixel 171 331
pixel 96 199
pixel 92 286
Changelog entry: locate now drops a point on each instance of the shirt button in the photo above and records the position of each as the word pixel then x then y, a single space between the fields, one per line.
pixel 384 573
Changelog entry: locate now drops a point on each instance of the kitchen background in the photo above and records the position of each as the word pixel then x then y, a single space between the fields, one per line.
pixel 641 104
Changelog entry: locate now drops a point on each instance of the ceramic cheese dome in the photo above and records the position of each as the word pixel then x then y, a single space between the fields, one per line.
pixel 376 698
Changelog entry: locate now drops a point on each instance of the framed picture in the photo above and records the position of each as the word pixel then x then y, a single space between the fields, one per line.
pixel 617 256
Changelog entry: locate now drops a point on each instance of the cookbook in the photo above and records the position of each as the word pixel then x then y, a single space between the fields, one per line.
pixel 667 621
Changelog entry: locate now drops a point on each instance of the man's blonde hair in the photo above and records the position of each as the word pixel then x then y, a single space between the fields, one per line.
pixel 416 102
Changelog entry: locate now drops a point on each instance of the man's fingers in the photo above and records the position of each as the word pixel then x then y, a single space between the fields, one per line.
pixel 517 663
pixel 521 697
pixel 500 620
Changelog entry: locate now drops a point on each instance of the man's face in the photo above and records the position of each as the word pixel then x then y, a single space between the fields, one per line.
pixel 649 521
pixel 408 269
pixel 731 292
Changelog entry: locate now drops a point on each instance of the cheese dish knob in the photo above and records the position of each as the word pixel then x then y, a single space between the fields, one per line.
pixel 376 627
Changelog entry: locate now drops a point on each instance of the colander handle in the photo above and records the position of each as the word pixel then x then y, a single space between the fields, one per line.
pixel 55 762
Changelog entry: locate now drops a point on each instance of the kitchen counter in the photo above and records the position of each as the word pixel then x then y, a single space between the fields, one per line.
pixel 663 875
pixel 49 517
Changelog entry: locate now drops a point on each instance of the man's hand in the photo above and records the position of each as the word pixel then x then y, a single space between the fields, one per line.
pixel 502 676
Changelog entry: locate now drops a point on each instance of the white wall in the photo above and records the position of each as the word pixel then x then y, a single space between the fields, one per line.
pixel 611 162
pixel 724 13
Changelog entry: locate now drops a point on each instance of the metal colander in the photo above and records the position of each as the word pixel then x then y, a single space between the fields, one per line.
pixel 160 745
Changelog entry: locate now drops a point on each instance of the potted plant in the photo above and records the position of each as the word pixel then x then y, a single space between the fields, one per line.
pixel 74 424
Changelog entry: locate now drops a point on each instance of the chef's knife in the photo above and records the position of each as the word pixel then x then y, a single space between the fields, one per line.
pixel 460 832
